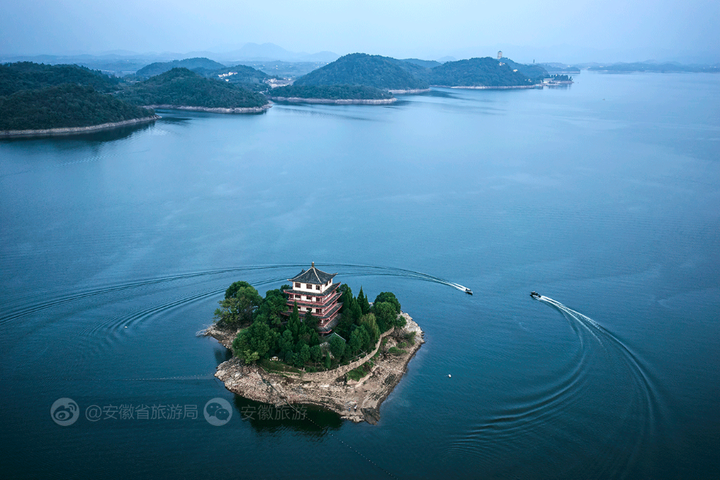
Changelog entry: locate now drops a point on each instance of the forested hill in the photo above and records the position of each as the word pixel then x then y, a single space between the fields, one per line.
pixel 476 72
pixel 30 76
pixel 242 75
pixel 64 106
pixel 182 87
pixel 362 69
pixel 200 64
pixel 533 71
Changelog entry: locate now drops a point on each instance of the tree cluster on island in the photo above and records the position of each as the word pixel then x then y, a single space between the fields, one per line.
pixel 363 69
pixel 386 73
pixel 15 77
pixel 241 75
pixel 183 87
pixel 64 106
pixel 294 339
pixel 330 92
pixel 38 97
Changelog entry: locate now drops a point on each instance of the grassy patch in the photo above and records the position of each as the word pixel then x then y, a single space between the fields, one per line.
pixel 396 351
pixel 270 366
pixel 359 372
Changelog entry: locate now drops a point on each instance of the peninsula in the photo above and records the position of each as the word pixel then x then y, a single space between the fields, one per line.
pixel 343 354
pixel 40 100
pixel 180 88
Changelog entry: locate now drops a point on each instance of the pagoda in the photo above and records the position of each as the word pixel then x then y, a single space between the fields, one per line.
pixel 314 291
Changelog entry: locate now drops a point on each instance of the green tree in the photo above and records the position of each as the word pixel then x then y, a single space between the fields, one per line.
pixel 384 315
pixel 257 339
pixel 232 290
pixel 363 302
pixel 272 308
pixel 237 309
pixel 346 297
pixel 390 298
pixel 328 362
pixel 315 353
pixel 305 354
pixel 337 347
pixel 369 322
pixel 294 323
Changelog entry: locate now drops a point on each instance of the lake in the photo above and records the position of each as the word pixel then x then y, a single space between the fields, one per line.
pixel 604 197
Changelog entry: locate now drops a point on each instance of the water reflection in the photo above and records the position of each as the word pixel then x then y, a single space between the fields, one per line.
pixel 309 420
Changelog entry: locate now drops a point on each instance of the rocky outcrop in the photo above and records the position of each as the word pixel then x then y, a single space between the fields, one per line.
pixel 75 130
pixel 213 110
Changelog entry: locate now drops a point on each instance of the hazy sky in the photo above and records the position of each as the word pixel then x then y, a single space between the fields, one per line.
pixel 593 29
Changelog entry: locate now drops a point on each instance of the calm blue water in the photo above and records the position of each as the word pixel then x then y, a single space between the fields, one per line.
pixel 604 197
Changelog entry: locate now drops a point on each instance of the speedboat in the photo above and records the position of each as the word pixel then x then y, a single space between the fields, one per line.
pixel 534 294
pixel 468 291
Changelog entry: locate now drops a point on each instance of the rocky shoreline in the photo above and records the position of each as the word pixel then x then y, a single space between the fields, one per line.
pixel 484 87
pixel 357 401
pixel 213 110
pixel 409 92
pixel 339 101
pixel 74 130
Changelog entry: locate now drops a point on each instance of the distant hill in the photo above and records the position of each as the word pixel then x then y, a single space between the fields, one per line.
pixel 422 63
pixel 15 77
pixel 242 75
pixel 655 67
pixel 362 69
pixel 330 92
pixel 533 71
pixel 477 72
pixel 415 69
pixel 559 68
pixel 64 106
pixel 196 64
pixel 182 87
pixel 284 69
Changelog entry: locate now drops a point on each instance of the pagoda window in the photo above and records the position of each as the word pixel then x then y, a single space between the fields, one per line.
pixel 297 285
pixel 317 287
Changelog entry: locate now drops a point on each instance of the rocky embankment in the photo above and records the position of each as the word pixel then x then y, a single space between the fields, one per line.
pixel 354 400
pixel 339 101
pixel 75 130
pixel 409 92
pixel 213 110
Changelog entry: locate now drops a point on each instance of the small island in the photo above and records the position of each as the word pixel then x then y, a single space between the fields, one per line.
pixel 314 343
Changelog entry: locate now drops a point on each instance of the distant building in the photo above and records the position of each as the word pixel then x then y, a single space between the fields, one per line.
pixel 499 54
pixel 314 291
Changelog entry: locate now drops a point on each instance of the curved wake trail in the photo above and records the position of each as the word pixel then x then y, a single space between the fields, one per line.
pixel 21 311
pixel 645 403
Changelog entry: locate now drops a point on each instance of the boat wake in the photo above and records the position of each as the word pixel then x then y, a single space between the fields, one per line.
pixel 601 391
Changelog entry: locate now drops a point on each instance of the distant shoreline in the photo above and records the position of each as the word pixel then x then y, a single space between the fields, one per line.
pixel 339 101
pixel 212 109
pixel 410 91
pixel 74 130
pixel 486 87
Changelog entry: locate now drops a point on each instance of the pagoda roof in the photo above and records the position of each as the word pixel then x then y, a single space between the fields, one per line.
pixel 313 276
